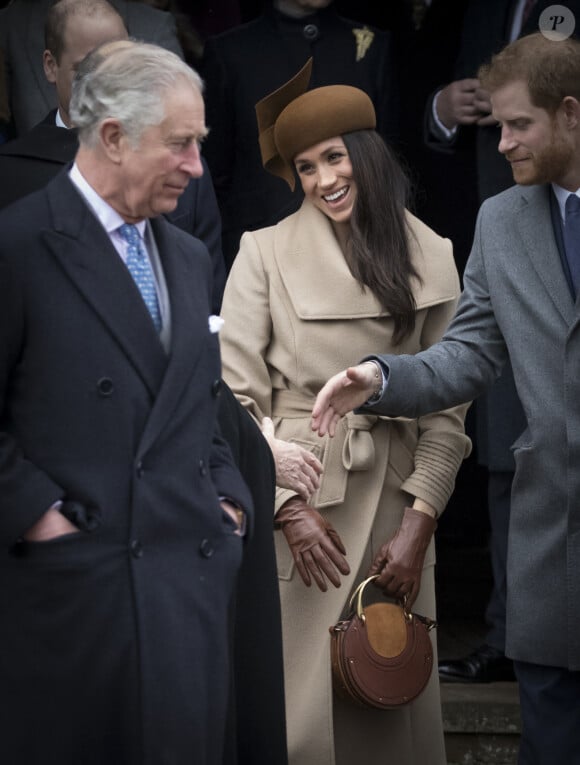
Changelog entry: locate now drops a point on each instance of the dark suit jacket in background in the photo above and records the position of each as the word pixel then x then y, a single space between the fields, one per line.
pixel 114 643
pixel 22 38
pixel 244 64
pixel 27 164
pixel 486 29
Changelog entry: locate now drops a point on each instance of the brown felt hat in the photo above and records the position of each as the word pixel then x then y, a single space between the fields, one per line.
pixel 293 118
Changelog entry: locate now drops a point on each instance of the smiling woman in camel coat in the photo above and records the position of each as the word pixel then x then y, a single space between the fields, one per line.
pixel 295 316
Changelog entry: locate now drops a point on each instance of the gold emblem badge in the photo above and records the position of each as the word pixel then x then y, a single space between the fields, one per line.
pixel 364 38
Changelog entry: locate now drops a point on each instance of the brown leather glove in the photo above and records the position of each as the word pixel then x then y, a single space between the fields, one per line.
pixel 399 562
pixel 316 547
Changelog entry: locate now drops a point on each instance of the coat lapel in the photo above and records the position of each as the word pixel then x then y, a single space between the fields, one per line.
pixel 534 223
pixel 188 286
pixel 313 283
pixel 84 251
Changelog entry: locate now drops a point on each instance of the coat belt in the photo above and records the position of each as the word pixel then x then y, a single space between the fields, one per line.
pixel 351 449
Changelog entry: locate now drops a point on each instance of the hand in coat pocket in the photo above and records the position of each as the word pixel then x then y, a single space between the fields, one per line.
pixel 49 526
pixel 63 518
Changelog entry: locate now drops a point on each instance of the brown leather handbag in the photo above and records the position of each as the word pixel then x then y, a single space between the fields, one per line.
pixel 381 656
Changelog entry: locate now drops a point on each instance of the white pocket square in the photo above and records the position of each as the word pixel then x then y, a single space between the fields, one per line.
pixel 215 323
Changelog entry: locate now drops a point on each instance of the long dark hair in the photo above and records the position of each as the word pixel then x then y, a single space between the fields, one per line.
pixel 379 255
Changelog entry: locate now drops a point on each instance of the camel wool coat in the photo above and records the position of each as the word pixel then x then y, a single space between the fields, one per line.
pixel 294 316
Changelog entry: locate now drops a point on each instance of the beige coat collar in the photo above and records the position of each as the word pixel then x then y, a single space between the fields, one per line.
pixel 319 282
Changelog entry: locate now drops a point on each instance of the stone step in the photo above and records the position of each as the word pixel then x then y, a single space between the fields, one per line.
pixel 481 723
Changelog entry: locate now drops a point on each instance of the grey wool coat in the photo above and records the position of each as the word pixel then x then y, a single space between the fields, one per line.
pixel 517 302
pixel 294 315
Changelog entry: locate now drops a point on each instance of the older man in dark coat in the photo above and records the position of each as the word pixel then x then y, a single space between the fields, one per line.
pixel 122 513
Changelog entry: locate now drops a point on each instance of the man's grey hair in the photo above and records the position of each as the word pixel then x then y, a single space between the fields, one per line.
pixel 127 81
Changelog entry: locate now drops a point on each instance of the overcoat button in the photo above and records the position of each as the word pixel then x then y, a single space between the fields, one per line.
pixel 136 549
pixel 216 388
pixel 310 32
pixel 105 386
pixel 206 548
pixel 139 469
pixel 202 468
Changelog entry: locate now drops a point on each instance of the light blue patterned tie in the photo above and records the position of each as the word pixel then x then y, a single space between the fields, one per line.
pixel 141 271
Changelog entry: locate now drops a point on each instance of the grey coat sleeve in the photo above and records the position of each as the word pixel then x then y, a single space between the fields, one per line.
pixel 461 366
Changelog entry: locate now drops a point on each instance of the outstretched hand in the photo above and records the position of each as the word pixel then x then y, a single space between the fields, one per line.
pixel 341 394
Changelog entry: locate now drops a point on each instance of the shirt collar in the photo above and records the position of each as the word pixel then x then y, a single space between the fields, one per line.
pixel 59 120
pixel 109 218
pixel 561 197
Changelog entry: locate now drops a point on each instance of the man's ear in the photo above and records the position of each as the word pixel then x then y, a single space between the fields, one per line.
pixel 571 109
pixel 113 139
pixel 50 66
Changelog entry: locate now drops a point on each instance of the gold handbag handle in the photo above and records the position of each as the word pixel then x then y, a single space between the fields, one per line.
pixel 358 594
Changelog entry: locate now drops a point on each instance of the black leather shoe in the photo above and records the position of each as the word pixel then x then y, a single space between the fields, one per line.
pixel 485 665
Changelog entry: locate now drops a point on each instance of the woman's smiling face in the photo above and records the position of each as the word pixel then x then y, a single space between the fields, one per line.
pixel 325 172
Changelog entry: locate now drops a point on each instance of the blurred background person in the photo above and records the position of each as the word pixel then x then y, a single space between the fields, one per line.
pixel 30 95
pixel 243 64
pixel 189 38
